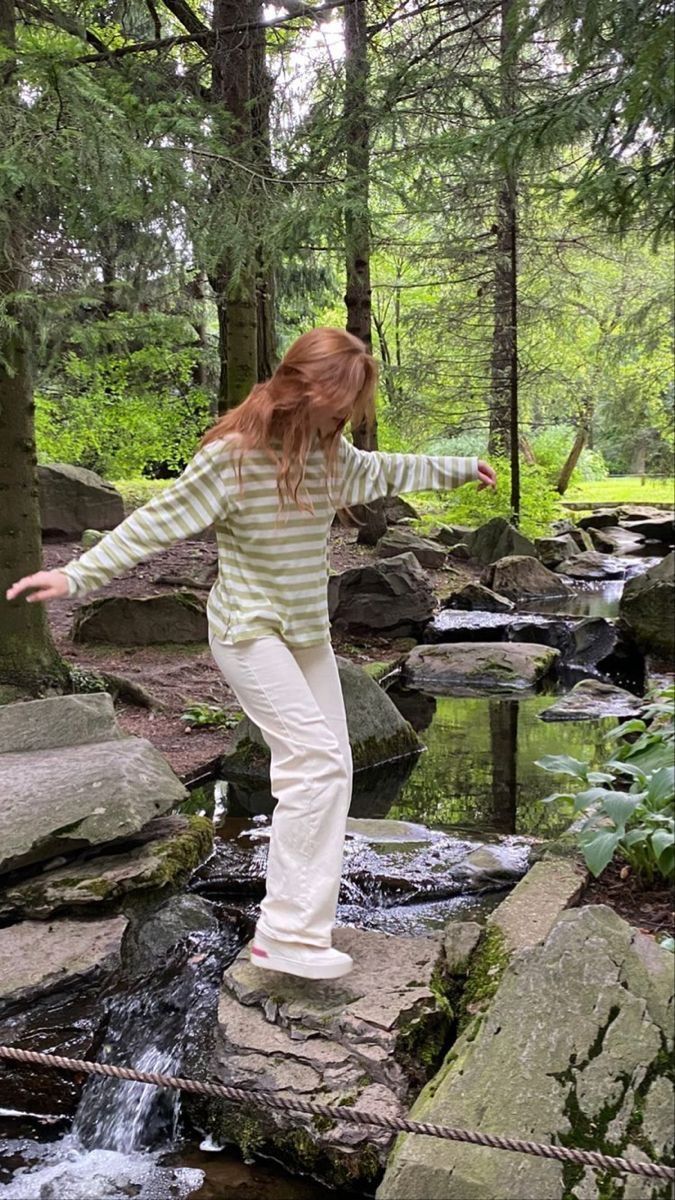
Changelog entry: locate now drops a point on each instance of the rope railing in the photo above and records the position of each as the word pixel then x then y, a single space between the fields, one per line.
pixel 336 1112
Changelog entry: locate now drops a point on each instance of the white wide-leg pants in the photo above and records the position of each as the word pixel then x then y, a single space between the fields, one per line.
pixel 294 697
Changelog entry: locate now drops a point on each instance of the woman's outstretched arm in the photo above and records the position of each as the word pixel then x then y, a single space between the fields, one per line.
pixel 366 475
pixel 191 504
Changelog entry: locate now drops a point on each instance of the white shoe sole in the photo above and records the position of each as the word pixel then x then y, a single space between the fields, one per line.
pixel 290 966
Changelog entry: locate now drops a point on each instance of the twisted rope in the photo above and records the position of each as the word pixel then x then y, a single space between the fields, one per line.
pixel 353 1116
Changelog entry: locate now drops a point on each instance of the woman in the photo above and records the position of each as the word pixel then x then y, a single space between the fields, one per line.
pixel 270 475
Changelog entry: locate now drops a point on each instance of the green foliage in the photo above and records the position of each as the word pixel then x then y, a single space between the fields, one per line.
pixel 209 716
pixel 123 397
pixel 467 506
pixel 551 448
pixel 630 800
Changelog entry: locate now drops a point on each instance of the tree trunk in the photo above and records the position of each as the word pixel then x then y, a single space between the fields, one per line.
pixel 503 716
pixel 357 227
pixel 504 434
pixel 231 88
pixel 572 460
pixel 198 293
pixel 28 658
pixel 262 90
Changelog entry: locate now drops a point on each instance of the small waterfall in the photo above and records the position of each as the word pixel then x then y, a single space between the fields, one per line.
pixel 124 1116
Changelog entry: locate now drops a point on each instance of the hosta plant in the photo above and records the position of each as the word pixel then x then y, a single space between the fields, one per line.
pixel 209 716
pixel 629 801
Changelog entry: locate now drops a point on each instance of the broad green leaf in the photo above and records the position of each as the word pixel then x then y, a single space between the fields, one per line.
pixel 620 807
pixel 633 726
pixel 562 764
pixel 662 841
pixel 634 837
pixel 600 777
pixel 598 850
pixel 661 786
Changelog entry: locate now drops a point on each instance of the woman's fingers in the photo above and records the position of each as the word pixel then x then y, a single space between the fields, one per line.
pixel 487 476
pixel 44 585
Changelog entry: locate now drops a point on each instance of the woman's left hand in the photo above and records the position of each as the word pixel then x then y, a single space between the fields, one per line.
pixel 487 476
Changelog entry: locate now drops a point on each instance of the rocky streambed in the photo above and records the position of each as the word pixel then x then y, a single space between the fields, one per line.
pixel 126 902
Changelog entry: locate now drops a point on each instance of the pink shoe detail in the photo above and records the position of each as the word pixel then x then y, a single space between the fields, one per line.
pixel 259 953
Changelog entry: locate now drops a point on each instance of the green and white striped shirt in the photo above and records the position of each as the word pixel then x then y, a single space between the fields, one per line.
pixel 272 564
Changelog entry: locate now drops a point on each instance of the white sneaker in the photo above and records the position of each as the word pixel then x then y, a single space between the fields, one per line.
pixel 295 958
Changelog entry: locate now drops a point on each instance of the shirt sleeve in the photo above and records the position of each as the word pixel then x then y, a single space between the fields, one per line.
pixel 367 475
pixel 196 499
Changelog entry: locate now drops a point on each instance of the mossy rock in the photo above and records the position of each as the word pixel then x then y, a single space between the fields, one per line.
pixel 377 731
pixel 159 866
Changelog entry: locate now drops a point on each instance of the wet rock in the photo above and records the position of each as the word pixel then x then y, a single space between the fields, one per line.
pixel 498 539
pixel 63 798
pixel 475 668
pixel 490 868
pixel 460 939
pixel 180 844
pixel 591 700
pixel 142 620
pixel 73 499
pixel 647 607
pixel 377 731
pixel 390 833
pixel 397 509
pixel 37 958
pixel 149 941
pixel 615 540
pixel 392 596
pixel 401 541
pixel 522 577
pixel 602 995
pixel 366 1040
pixel 552 551
pixel 600 519
pixel 593 565
pixel 655 529
pixel 473 596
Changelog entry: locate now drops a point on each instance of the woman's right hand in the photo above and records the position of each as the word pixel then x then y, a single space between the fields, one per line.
pixel 48 585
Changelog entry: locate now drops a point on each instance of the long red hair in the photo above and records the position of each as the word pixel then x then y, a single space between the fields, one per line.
pixel 326 375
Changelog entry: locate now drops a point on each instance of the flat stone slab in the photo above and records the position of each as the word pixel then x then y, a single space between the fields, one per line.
pixel 591 700
pixel 470 667
pixel 364 1040
pixel 59 796
pixel 574 1049
pixel 36 957
pixel 530 911
pixel 58 721
pixel 179 845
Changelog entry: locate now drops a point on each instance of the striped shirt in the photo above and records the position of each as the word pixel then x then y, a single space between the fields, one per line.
pixel 272 563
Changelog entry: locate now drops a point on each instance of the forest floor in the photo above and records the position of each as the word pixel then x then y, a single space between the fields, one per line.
pixel 176 675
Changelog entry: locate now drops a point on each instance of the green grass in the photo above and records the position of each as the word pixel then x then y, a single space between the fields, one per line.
pixel 624 489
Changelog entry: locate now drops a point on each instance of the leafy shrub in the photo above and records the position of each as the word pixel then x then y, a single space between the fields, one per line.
pixel 123 397
pixel 630 800
pixel 551 448
pixel 540 503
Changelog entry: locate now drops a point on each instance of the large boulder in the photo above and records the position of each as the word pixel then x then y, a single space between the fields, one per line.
pixel 377 731
pixel 400 541
pixel 64 790
pixel 497 539
pixel 474 597
pixel 574 1050
pixel 392 596
pixel 476 668
pixel 523 577
pixel 366 1041
pixel 73 499
pixel 647 606
pixel 142 620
